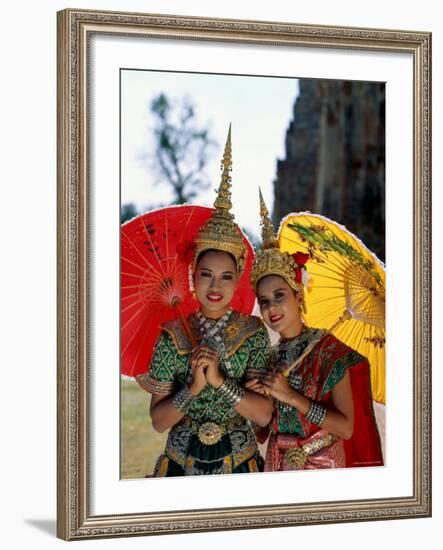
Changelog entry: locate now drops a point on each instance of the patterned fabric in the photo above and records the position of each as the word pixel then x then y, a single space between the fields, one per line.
pixel 315 377
pixel 247 346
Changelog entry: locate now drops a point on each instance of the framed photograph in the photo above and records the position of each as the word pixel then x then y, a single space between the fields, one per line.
pixel 331 120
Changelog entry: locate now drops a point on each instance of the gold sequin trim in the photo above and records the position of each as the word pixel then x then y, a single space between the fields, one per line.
pixel 244 454
pixel 253 465
pixel 163 468
pixel 227 465
pixel 154 386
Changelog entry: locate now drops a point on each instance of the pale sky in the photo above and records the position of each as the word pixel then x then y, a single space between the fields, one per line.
pixel 259 108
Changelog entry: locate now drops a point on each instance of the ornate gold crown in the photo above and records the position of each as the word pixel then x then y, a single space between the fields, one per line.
pixel 220 232
pixel 270 260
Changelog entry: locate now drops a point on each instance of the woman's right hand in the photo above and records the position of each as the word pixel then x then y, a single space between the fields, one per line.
pixel 256 385
pixel 198 377
pixel 277 385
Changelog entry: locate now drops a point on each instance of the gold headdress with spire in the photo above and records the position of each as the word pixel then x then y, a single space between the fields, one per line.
pixel 270 260
pixel 220 232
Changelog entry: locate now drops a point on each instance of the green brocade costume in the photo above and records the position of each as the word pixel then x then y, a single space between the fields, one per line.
pixel 234 448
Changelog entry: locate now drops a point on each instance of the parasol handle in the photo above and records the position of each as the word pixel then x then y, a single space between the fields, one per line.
pixel 176 305
pixel 344 317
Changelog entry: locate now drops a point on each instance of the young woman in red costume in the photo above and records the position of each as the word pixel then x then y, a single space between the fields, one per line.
pixel 323 414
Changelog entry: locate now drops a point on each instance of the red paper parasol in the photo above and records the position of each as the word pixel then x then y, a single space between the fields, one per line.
pixel 156 250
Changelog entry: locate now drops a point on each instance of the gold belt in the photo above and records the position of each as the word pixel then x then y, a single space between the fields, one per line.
pixel 299 455
pixel 210 432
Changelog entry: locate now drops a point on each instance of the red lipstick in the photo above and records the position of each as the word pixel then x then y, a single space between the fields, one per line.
pixel 275 318
pixel 214 297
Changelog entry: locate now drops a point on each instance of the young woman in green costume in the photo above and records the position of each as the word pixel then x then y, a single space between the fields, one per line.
pixel 197 390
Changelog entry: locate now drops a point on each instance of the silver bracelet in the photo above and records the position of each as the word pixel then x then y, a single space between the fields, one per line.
pixel 231 392
pixel 316 413
pixel 183 399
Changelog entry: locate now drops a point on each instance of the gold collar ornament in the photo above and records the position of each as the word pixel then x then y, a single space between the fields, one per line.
pixel 221 232
pixel 270 260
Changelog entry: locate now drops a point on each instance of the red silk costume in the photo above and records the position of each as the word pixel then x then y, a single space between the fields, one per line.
pixel 315 377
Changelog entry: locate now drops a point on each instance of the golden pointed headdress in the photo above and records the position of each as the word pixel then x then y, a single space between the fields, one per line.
pixel 270 260
pixel 220 232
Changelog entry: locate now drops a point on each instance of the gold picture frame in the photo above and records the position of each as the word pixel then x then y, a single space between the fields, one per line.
pixel 75 29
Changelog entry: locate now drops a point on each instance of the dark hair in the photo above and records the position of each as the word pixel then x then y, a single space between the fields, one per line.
pixel 204 252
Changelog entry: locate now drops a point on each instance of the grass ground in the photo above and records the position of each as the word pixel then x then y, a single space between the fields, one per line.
pixel 140 444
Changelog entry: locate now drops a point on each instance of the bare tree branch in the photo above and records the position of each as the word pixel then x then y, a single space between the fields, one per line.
pixel 182 147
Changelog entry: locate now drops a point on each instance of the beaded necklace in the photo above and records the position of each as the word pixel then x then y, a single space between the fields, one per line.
pixel 213 331
pixel 289 350
pixel 212 335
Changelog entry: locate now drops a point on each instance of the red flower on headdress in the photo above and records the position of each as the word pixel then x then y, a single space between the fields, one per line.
pixel 186 251
pixel 300 258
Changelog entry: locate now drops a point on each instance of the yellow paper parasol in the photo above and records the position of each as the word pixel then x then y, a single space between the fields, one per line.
pixel 346 290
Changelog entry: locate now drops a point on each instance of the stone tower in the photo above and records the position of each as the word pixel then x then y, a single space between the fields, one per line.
pixel 335 158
